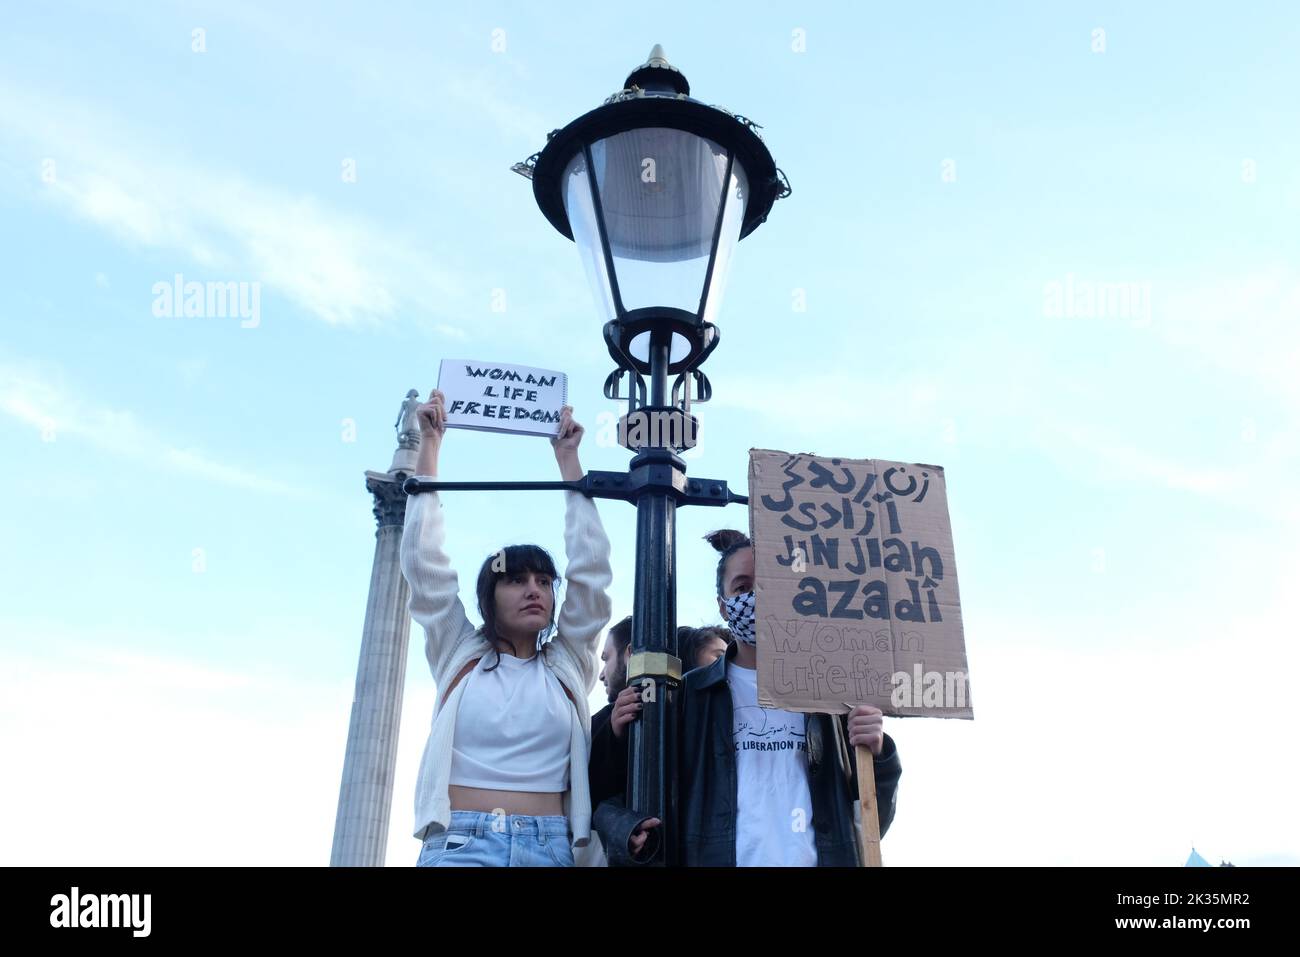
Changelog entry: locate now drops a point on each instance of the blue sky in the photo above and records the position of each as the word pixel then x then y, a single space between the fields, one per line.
pixel 1122 488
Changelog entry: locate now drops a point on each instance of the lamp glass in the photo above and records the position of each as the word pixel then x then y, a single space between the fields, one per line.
pixel 581 209
pixel 659 193
pixel 660 190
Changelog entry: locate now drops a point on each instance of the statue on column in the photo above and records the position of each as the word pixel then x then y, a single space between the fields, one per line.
pixel 408 423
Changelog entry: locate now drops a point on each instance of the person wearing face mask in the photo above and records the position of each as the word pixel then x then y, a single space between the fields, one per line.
pixel 785 793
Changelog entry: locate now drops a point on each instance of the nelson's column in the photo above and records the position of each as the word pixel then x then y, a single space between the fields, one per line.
pixel 366 793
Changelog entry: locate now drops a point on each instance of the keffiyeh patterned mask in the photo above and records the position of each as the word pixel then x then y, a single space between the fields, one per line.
pixel 740 617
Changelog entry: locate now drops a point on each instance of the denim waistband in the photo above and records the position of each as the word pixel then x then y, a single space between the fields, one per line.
pixel 480 823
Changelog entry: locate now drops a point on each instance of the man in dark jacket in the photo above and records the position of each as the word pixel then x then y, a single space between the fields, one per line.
pixel 607 756
pixel 758 786
pixel 711 801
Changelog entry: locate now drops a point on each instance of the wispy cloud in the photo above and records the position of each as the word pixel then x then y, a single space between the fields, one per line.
pixel 829 402
pixel 510 118
pixel 339 268
pixel 1130 463
pixel 397 68
pixel 1247 325
pixel 1103 454
pixel 33 397
pixel 451 332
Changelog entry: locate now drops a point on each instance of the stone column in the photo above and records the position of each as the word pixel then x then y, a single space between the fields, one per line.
pixel 366 794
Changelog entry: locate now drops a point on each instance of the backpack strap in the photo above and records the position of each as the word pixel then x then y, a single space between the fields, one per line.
pixel 469 666
pixel 567 693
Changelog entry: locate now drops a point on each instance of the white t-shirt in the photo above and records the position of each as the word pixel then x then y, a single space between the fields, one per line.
pixel 773 803
pixel 513 728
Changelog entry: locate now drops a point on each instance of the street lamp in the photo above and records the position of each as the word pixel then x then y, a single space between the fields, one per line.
pixel 656 189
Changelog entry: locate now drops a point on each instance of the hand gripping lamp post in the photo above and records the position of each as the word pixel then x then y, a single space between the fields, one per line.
pixel 655 188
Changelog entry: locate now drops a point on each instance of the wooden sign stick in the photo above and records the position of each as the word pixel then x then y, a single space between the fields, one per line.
pixel 870 816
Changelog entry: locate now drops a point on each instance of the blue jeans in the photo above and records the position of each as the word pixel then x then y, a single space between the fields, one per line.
pixel 480 839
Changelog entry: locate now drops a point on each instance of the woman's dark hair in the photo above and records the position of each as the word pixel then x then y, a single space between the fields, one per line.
pixel 511 560
pixel 728 541
pixel 691 640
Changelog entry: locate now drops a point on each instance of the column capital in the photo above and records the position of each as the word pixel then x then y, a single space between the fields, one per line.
pixel 390 500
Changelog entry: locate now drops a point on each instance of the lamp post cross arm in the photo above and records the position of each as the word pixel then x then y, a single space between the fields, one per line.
pixel 624 486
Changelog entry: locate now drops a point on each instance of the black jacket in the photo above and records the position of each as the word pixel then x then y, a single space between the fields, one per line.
pixel 707 782
pixel 607 759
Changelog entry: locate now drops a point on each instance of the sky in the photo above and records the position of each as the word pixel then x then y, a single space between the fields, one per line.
pixel 189 537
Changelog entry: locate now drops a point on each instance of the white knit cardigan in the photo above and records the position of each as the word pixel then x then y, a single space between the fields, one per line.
pixel 451 642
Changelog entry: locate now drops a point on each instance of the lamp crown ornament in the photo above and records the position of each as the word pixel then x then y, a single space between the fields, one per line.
pixel 655 73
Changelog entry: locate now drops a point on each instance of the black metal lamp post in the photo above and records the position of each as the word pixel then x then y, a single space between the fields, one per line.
pixel 656 189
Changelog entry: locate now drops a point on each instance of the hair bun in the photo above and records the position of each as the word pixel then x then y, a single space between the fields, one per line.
pixel 725 538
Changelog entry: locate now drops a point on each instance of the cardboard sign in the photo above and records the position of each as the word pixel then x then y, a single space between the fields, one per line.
pixel 495 397
pixel 856 597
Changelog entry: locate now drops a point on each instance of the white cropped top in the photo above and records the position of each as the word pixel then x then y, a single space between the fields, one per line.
pixel 513 727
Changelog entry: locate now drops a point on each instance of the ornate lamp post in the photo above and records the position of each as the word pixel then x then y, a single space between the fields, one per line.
pixel 656 189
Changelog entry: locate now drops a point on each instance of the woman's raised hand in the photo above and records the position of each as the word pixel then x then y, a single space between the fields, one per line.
pixel 565 442
pixel 570 433
pixel 433 416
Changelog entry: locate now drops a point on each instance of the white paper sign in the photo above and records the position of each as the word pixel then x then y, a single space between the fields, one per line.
pixel 499 397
